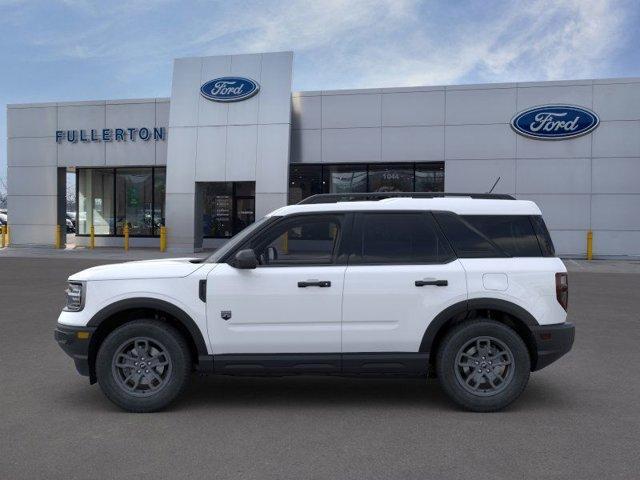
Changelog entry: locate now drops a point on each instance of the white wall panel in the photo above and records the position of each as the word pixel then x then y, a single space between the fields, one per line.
pixel 617 101
pixel 351 145
pixel 579 147
pixel 616 175
pixel 412 108
pixel 32 122
pixel 560 175
pixel 616 243
pixel 617 139
pixel 85 117
pixel 275 91
pixel 34 152
pixel 32 181
pixel 179 214
pixel 495 105
pixel 273 142
pixel 241 152
pixel 306 146
pixel 349 111
pixel 412 143
pixel 479 141
pixel 306 112
pixel 185 92
pixel 212 145
pixel 181 169
pixel 478 176
pixel 566 94
pixel 615 212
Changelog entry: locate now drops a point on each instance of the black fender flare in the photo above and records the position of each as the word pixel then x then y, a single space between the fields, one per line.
pixel 155 304
pixel 473 304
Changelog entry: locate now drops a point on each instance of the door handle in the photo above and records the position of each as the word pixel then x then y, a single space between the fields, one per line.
pixel 437 283
pixel 314 283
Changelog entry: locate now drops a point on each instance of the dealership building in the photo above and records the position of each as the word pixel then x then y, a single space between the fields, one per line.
pixel 233 142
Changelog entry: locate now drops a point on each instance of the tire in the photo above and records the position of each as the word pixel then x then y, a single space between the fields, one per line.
pixel 139 383
pixel 503 376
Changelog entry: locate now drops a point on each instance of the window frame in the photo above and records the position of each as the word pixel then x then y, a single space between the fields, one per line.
pixel 355 259
pixel 340 254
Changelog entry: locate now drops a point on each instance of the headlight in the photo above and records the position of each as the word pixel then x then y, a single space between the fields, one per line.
pixel 75 297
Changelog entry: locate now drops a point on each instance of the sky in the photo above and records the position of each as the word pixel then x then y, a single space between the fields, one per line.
pixel 82 50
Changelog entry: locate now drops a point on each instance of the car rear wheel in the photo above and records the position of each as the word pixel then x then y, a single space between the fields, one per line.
pixel 143 365
pixel 483 365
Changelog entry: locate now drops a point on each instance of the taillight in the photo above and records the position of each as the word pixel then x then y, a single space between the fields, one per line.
pixel 562 289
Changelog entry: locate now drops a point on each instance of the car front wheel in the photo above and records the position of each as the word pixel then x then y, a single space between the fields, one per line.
pixel 143 365
pixel 483 365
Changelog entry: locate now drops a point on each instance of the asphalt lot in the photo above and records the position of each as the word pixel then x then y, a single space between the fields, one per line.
pixel 579 418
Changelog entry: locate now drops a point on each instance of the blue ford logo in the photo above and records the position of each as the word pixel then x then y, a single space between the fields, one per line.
pixel 229 89
pixel 555 122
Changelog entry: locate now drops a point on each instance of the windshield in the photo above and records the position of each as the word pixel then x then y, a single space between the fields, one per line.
pixel 236 240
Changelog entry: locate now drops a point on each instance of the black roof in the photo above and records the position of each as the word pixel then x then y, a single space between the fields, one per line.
pixel 357 197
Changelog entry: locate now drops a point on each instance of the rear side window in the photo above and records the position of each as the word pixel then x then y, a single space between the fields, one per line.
pixel 466 240
pixel 394 238
pixel 544 239
pixel 514 234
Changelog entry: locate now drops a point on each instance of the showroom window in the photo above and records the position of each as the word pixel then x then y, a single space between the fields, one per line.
pixel 310 179
pixel 110 198
pixel 227 207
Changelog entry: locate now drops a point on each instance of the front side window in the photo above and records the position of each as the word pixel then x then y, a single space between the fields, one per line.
pixel 392 238
pixel 307 240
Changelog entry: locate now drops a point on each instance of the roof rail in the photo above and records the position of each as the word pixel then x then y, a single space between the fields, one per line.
pixel 358 197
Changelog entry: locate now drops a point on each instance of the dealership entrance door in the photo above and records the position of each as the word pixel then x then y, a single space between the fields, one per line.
pixel 224 208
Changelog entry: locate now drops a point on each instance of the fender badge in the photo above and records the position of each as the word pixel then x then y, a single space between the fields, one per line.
pixel 225 314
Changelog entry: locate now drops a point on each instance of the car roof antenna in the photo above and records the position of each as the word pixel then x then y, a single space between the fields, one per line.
pixel 494 185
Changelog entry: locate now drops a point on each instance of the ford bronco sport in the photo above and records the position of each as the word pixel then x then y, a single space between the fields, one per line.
pixel 465 288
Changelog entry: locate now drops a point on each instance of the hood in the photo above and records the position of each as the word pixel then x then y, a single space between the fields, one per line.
pixel 152 269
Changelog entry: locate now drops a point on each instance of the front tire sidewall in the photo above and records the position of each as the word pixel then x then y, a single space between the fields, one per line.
pixel 176 349
pixel 446 365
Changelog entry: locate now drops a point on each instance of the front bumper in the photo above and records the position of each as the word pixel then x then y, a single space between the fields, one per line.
pixel 552 342
pixel 75 343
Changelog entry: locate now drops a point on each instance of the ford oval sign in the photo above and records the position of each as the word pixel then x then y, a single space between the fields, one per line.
pixel 555 122
pixel 229 89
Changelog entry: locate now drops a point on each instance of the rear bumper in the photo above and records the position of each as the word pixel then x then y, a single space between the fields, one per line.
pixel 74 345
pixel 552 342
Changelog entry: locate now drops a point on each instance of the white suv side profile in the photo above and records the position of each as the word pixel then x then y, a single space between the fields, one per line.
pixel 465 288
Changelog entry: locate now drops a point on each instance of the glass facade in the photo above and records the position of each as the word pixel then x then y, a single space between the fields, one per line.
pixel 227 208
pixel 310 179
pixel 110 198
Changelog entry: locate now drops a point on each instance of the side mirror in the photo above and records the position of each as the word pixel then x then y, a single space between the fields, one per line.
pixel 246 259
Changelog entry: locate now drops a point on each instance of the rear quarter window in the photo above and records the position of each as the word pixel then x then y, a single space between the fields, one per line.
pixel 512 233
pixel 478 236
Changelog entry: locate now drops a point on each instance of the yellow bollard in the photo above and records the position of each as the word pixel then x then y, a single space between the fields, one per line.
pixel 589 245
pixel 126 238
pixel 92 237
pixel 163 239
pixel 3 234
pixel 58 236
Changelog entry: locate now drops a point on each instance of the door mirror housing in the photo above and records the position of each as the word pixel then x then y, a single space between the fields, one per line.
pixel 246 259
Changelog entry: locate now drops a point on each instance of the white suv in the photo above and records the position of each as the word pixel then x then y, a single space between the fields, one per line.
pixel 466 288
